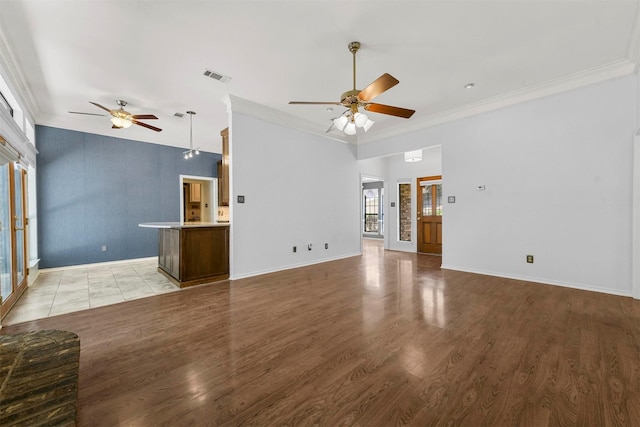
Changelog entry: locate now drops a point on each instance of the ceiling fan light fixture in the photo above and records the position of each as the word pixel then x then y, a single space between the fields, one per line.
pixel 121 122
pixel 368 125
pixel 360 119
pixel 350 129
pixel 340 122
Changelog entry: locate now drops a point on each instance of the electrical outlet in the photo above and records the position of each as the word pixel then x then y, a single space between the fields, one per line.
pixel 530 259
pixel 309 247
pixel 104 248
pixel 326 246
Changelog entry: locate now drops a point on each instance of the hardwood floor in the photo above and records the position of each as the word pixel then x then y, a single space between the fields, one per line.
pixel 383 339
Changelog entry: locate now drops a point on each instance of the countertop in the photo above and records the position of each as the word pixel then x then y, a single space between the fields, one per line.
pixel 182 224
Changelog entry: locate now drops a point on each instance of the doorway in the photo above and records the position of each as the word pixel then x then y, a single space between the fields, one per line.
pixel 13 235
pixel 372 208
pixel 198 199
pixel 429 219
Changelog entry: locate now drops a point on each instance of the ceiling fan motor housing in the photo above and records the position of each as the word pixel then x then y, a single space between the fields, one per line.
pixel 350 97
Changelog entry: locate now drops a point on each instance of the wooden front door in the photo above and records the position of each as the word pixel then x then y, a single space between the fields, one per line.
pixel 430 215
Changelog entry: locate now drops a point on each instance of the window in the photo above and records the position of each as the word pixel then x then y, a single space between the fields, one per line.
pixel 5 104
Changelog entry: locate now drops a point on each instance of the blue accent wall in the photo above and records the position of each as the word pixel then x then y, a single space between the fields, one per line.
pixel 94 190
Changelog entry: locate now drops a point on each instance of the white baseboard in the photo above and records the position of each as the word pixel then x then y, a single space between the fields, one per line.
pixel 541 281
pixel 292 266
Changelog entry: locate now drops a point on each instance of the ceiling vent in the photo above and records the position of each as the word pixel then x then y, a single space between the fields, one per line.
pixel 179 114
pixel 217 76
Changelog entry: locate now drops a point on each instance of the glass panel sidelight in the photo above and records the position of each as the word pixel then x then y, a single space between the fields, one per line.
pixel 404 212
pixel 5 234
pixel 19 224
pixel 381 213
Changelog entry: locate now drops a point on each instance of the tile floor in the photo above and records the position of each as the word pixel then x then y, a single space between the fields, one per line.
pixel 78 288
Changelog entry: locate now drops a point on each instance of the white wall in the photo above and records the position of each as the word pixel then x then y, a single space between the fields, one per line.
pixel 557 172
pixel 299 188
pixel 558 177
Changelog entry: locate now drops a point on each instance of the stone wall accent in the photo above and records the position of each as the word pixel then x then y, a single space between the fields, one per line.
pixel 404 212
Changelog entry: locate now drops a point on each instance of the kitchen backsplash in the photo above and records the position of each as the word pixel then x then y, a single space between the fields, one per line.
pixel 223 213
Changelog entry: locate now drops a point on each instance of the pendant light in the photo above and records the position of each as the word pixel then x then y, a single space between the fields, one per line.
pixel 190 152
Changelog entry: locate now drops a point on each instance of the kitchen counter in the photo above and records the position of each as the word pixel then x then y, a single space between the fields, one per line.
pixel 192 253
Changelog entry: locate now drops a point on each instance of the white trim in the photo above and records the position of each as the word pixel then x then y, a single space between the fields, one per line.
pixel 292 266
pixel 17 80
pixel 633 49
pixel 537 280
pixel 635 220
pixel 213 196
pixel 97 264
pixel 252 109
pixel 594 75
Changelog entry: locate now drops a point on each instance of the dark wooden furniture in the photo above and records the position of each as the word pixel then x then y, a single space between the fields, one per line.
pixel 223 170
pixel 190 255
pixel 39 378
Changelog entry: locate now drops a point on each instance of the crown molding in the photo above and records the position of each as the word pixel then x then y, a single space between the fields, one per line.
pixel 259 111
pixel 577 80
pixel 22 91
pixel 633 50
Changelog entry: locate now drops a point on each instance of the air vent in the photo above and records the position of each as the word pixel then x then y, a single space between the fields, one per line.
pixel 179 114
pixel 217 76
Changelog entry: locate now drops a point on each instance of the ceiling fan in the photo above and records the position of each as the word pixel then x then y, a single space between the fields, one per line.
pixel 120 118
pixel 353 99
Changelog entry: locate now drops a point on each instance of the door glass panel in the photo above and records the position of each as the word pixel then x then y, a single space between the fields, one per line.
pixel 438 199
pixel 381 214
pixel 19 224
pixel 427 204
pixel 5 234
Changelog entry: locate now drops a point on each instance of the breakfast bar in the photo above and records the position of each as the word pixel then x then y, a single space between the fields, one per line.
pixel 192 253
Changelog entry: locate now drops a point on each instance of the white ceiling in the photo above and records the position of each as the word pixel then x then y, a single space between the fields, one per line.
pixel 153 55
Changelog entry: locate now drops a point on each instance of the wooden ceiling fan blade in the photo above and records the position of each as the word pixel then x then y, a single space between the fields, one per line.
pixel 390 110
pixel 314 103
pixel 381 84
pixel 144 117
pixel 88 114
pixel 146 125
pixel 100 106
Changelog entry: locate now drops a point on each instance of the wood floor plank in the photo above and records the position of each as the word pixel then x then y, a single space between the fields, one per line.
pixel 386 338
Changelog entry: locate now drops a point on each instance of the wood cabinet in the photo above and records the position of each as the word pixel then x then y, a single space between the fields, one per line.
pixel 194 192
pixel 194 255
pixel 223 170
